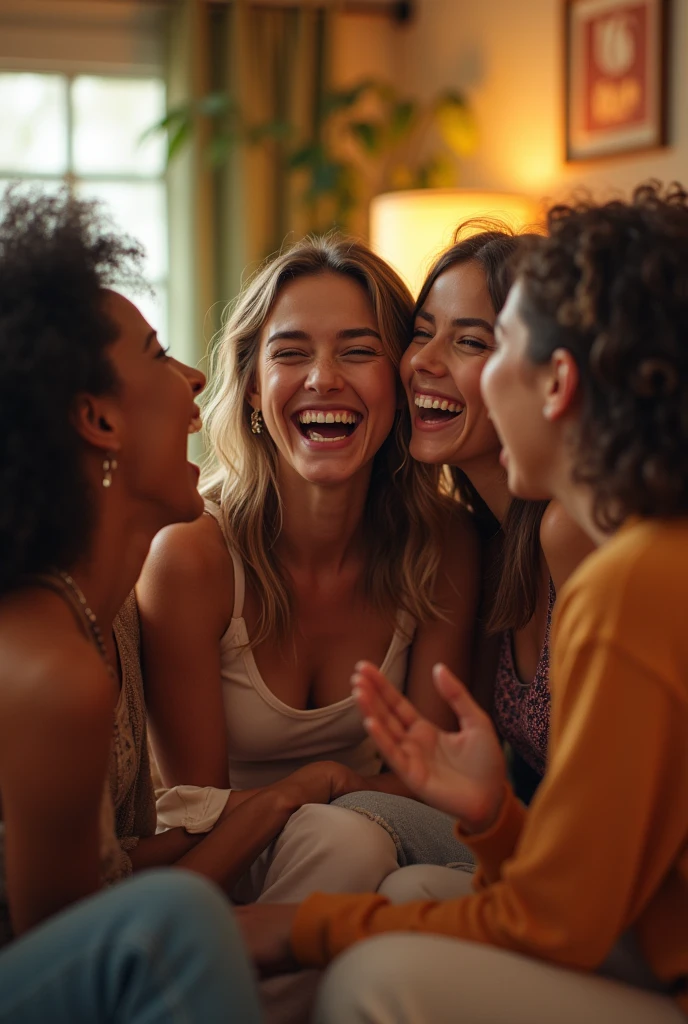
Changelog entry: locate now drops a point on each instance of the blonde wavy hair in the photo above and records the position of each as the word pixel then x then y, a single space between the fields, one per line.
pixel 404 512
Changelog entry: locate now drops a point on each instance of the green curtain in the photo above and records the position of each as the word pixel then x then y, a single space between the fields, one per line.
pixel 225 220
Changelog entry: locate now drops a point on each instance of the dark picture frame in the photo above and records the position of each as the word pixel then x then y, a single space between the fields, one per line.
pixel 616 76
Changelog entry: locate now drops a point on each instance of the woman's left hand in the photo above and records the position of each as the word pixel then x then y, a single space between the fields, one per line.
pixel 266 928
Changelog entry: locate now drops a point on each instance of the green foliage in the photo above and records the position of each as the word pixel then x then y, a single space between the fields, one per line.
pixel 365 139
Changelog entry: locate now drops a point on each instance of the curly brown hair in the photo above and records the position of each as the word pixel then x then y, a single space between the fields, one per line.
pixel 57 253
pixel 610 284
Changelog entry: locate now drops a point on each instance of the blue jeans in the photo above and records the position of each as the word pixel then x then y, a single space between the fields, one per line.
pixel 159 948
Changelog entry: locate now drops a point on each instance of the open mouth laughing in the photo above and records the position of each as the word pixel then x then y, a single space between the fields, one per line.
pixel 327 426
pixel 436 410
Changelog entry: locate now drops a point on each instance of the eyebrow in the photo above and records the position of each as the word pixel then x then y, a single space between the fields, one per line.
pixel 459 321
pixel 346 335
pixel 149 337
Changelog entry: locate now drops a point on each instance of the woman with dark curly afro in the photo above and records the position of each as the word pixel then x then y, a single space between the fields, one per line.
pixel 580 908
pixel 94 418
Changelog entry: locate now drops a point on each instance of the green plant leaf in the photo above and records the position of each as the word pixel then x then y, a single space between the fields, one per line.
pixel 215 104
pixel 177 138
pixel 369 134
pixel 344 99
pixel 269 130
pixel 402 119
pixel 456 123
pixel 172 117
pixel 306 156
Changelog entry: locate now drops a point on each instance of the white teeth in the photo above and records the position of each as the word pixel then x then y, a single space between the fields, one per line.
pixel 426 402
pixel 316 416
pixel 313 435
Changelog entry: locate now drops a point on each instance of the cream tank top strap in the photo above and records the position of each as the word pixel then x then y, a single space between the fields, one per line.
pixel 213 509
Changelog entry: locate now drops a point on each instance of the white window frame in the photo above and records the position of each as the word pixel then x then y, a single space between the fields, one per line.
pixel 109 38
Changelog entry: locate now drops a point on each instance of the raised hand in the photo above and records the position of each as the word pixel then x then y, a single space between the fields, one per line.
pixel 462 773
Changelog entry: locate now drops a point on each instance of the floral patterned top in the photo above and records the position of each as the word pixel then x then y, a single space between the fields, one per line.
pixel 522 709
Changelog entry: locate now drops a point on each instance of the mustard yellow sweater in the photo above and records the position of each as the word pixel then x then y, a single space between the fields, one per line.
pixel 604 845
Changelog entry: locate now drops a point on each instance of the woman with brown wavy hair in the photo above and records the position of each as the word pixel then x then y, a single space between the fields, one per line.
pixel 530 548
pixel 323 543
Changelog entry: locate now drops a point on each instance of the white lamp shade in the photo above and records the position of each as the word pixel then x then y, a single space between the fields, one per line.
pixel 409 229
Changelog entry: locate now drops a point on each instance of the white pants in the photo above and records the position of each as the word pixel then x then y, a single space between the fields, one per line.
pixel 321 849
pixel 407 978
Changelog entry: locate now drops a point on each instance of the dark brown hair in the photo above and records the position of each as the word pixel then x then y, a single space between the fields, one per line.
pixel 495 249
pixel 610 284
pixel 57 253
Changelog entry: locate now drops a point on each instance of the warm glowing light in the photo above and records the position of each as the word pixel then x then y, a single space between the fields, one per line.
pixel 409 229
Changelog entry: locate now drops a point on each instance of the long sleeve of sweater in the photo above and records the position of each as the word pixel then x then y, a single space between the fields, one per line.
pixel 596 852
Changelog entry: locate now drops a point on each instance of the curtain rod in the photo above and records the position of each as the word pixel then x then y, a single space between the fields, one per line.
pixel 397 10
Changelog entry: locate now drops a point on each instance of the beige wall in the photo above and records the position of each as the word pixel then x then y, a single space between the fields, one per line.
pixel 507 56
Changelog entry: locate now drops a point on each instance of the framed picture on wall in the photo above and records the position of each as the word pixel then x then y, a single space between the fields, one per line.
pixel 616 76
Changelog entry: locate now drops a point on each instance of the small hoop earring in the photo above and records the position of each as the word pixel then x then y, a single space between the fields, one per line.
pixel 256 422
pixel 109 467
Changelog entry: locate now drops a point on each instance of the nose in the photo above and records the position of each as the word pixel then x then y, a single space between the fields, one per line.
pixel 195 377
pixel 429 358
pixel 323 376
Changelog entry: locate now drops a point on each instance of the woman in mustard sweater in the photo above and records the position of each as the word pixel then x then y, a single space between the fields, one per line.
pixel 580 908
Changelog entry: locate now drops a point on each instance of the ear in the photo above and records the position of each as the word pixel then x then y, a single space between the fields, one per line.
pixel 252 394
pixel 96 420
pixel 561 385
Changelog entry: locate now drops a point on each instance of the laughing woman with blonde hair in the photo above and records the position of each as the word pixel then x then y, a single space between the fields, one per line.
pixel 323 543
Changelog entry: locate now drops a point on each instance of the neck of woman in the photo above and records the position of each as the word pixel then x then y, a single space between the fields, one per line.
pixel 108 572
pixel 488 477
pixel 322 524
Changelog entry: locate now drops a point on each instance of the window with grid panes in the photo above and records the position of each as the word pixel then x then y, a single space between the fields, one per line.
pixel 87 130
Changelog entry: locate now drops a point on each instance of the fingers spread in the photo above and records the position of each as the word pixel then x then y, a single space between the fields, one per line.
pixel 456 695
pixel 371 706
pixel 396 703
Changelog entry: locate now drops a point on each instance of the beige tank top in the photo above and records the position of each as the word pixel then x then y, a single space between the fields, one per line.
pixel 267 739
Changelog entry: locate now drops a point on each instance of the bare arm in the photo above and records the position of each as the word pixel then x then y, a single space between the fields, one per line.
pixel 448 640
pixel 56 708
pixel 243 830
pixel 185 596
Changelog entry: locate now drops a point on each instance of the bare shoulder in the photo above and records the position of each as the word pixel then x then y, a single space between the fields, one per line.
pixel 564 543
pixel 188 563
pixel 49 672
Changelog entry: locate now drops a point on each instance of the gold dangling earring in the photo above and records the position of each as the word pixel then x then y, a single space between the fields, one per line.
pixel 109 467
pixel 256 422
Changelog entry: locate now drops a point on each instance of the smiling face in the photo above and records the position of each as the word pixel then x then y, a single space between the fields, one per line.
pixel 152 412
pixel 453 336
pixel 324 382
pixel 532 406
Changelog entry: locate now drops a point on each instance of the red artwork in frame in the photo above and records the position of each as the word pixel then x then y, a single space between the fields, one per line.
pixel 616 76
